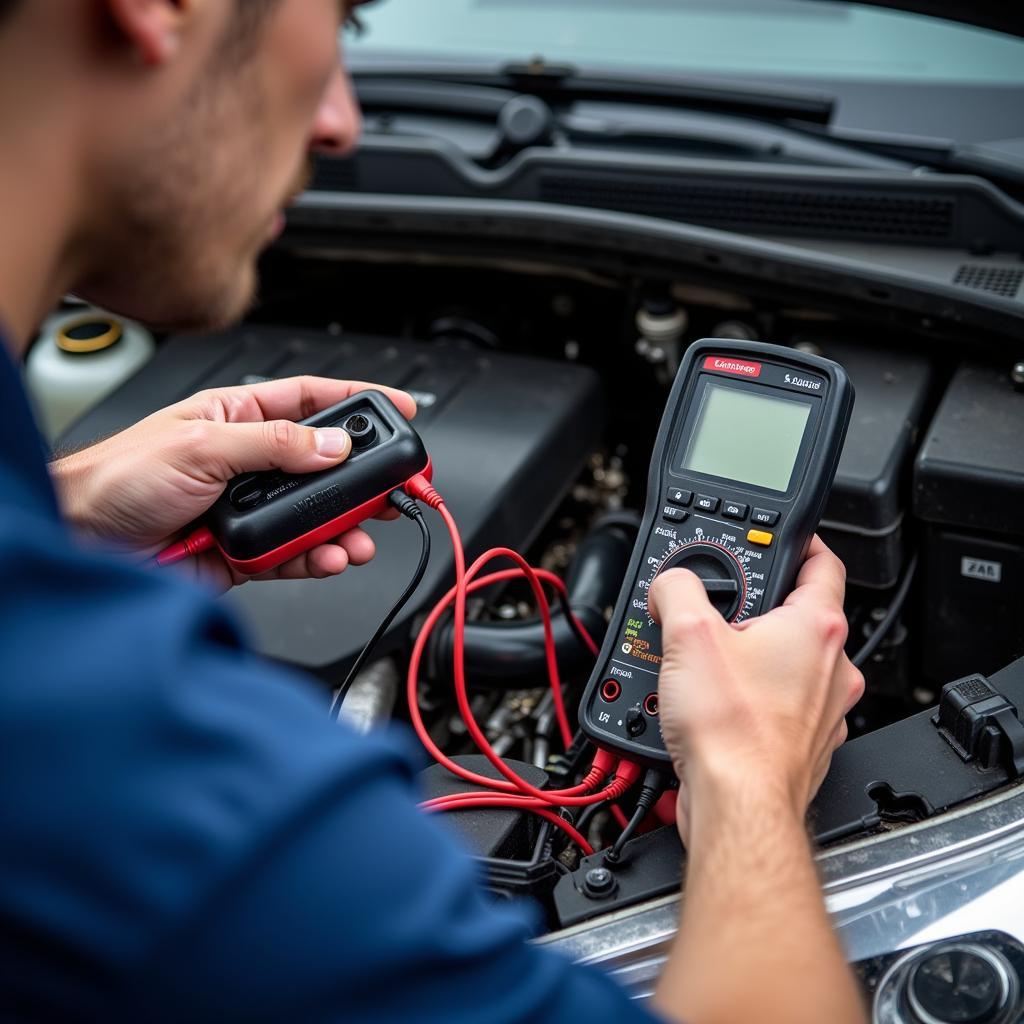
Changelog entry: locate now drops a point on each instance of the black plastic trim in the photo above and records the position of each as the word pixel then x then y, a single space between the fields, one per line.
pixel 579 237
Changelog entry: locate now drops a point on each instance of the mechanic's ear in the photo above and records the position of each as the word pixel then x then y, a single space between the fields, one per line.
pixel 152 27
pixel 339 122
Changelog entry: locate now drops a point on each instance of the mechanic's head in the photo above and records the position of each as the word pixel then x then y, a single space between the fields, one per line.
pixel 190 123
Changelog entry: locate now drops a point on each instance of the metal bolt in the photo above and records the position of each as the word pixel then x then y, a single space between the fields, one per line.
pixel 1017 373
pixel 599 882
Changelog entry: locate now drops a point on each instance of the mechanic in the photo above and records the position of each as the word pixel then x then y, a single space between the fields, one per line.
pixel 185 834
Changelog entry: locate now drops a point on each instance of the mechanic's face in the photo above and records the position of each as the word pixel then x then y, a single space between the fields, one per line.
pixel 207 194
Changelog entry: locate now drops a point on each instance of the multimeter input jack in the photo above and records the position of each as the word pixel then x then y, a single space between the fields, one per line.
pixel 611 690
pixel 651 704
pixel 362 431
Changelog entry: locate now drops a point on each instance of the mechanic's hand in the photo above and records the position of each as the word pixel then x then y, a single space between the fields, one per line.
pixel 140 489
pixel 759 707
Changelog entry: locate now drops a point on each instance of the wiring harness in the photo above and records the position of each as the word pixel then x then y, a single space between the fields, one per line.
pixel 606 781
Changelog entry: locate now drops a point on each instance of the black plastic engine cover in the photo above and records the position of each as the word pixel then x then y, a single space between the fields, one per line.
pixel 864 520
pixel 507 436
pixel 969 490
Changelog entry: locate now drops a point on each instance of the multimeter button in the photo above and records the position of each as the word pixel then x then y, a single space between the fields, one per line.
pixel 677 496
pixel 764 517
pixel 635 723
pixel 673 514
pixel 247 494
pixel 706 502
pixel 762 537
pixel 734 510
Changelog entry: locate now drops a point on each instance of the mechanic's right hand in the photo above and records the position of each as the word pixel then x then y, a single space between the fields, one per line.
pixel 755 709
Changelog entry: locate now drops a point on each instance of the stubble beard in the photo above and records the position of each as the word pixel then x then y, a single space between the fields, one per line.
pixel 183 238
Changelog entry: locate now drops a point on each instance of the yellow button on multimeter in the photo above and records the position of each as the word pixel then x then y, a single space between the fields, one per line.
pixel 762 537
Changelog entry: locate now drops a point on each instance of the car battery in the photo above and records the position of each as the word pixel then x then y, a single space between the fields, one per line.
pixel 865 520
pixel 507 436
pixel 969 491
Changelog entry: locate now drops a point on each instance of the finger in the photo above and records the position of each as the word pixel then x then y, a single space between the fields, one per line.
pixel 318 563
pixel 352 548
pixel 227 449
pixel 839 737
pixel 822 578
pixel 358 546
pixel 855 686
pixel 297 398
pixel 678 593
pixel 845 690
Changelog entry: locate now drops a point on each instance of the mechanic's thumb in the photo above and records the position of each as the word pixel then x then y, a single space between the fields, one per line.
pixel 679 591
pixel 281 444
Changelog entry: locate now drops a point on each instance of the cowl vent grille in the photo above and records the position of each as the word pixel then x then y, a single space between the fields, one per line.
pixel 1004 281
pixel 335 175
pixel 837 213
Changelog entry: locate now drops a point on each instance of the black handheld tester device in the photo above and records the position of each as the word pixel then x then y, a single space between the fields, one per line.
pixel 264 519
pixel 743 463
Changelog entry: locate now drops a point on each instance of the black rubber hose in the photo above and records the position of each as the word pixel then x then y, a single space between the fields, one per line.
pixel 509 655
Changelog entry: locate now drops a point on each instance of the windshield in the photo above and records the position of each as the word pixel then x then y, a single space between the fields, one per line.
pixel 741 38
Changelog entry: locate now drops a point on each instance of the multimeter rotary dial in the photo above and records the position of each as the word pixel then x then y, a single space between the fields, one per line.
pixel 723 571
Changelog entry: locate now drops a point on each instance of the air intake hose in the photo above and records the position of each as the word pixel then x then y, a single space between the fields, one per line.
pixel 510 655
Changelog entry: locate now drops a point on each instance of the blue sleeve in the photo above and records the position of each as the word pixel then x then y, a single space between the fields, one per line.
pixel 367 912
pixel 187 836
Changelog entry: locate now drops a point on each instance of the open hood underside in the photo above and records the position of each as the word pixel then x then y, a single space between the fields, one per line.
pixel 1000 15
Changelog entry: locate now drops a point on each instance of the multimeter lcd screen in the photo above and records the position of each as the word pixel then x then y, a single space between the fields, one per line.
pixel 747 437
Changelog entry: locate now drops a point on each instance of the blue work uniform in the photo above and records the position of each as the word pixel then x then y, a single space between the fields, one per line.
pixel 184 836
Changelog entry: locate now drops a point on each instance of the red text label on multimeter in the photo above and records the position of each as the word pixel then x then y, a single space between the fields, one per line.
pixel 723 364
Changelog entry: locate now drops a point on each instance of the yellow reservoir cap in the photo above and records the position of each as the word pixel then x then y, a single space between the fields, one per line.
pixel 762 537
pixel 88 334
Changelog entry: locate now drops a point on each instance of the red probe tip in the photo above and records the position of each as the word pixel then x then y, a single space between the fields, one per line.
pixel 193 545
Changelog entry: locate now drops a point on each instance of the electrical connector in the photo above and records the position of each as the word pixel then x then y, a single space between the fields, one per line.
pixel 405 504
pixel 420 488
pixel 653 786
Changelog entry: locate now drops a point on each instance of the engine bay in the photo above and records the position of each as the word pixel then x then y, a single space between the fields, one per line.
pixel 540 384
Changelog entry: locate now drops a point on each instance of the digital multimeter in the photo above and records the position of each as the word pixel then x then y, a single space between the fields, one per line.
pixel 265 519
pixel 744 461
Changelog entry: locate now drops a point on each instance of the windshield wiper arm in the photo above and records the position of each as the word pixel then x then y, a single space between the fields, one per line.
pixel 564 82
pixel 942 155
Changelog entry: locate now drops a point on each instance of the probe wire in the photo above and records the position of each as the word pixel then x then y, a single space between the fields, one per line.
pixel 532 798
pixel 879 633
pixel 411 510
pixel 526 804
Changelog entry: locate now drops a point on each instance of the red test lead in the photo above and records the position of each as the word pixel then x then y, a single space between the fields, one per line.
pixel 512 790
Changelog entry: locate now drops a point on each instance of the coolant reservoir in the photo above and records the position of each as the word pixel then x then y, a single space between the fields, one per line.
pixel 79 359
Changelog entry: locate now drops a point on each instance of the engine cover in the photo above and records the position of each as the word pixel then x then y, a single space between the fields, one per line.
pixel 507 436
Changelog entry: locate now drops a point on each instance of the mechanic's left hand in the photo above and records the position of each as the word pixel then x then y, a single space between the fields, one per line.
pixel 141 488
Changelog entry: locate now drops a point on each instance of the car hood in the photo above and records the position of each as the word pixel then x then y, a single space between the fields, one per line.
pixel 1000 15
